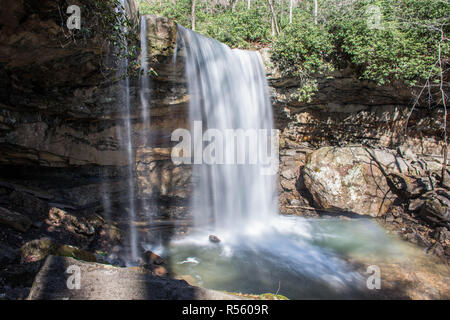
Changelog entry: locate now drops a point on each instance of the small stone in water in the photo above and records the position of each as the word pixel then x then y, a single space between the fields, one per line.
pixel 214 239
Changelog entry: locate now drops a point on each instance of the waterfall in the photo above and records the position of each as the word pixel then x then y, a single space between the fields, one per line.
pixel 228 91
pixel 125 135
pixel 144 95
pixel 259 250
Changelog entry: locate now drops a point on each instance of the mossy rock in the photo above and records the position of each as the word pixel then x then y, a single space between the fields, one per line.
pixel 73 252
pixel 39 249
pixel 264 296
pixel 271 296
pixel 36 250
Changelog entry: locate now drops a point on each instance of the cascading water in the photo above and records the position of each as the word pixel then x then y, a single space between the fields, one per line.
pixel 125 136
pixel 260 251
pixel 144 95
pixel 229 94
pixel 145 81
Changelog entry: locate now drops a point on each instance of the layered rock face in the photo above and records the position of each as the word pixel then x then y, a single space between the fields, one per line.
pixel 61 115
pixel 64 165
pixel 344 112
pixel 62 111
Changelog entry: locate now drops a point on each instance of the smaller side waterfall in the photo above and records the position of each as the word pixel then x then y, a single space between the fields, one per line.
pixel 145 95
pixel 125 135
pixel 145 81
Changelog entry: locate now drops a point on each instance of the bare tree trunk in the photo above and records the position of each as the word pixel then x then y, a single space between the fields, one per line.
pixel 193 14
pixel 274 18
pixel 291 7
pixel 248 4
pixel 439 64
pixel 272 27
pixel 316 9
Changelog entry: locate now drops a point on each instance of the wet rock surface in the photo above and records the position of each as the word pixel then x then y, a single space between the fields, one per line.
pixel 40 249
pixel 214 239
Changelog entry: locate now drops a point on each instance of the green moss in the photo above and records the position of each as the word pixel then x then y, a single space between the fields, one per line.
pixel 271 296
pixel 264 296
pixel 73 252
pixel 41 248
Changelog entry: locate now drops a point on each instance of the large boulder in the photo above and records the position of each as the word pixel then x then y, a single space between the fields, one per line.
pixel 358 179
pixel 105 282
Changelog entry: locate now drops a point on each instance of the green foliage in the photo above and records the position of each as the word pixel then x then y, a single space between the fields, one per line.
pixel 401 43
pixel 402 47
pixel 242 28
pixel 303 58
pixel 116 29
pixel 179 10
pixel 308 55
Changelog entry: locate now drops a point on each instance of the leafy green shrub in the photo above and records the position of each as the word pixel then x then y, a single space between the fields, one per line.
pixel 302 49
pixel 179 10
pixel 403 47
pixel 242 28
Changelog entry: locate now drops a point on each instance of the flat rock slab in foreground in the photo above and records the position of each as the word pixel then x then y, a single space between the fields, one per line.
pixel 105 282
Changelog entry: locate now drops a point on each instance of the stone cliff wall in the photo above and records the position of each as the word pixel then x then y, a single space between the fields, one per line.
pixel 60 113
pixel 347 111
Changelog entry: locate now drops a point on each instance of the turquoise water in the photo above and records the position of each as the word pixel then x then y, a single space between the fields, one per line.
pixel 298 258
